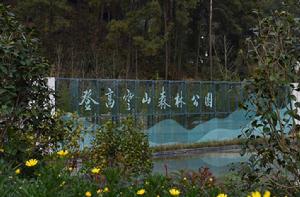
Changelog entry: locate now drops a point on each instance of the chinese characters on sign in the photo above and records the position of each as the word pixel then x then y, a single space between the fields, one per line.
pixel 87 100
pixel 209 100
pixel 146 99
pixel 179 100
pixel 162 103
pixel 128 97
pixel 110 101
pixel 196 100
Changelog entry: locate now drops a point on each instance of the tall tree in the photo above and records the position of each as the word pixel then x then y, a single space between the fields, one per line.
pixel 142 39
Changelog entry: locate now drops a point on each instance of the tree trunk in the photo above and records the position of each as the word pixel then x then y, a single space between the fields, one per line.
pixel 180 73
pixel 128 62
pixel 175 49
pixel 136 64
pixel 210 39
pixel 72 62
pixel 198 55
pixel 225 55
pixel 51 16
pixel 114 65
pixel 167 39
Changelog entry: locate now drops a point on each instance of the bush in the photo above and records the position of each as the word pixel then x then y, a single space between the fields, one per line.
pixel 52 179
pixel 123 146
pixel 27 125
pixel 56 178
pixel 273 138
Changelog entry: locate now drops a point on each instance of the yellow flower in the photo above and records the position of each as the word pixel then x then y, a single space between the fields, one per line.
pixel 95 170
pixel 106 189
pixel 174 192
pixel 31 162
pixel 99 191
pixel 267 194
pixel 255 194
pixel 184 178
pixel 88 194
pixel 62 153
pixel 1 150
pixel 141 192
pixel 222 195
pixel 18 171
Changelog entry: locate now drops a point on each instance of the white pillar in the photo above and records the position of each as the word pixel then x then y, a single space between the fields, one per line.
pixel 51 85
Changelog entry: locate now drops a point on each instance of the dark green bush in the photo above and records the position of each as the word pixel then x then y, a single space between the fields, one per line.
pixel 28 128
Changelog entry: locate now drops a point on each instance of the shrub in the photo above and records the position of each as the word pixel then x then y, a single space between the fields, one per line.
pixel 28 128
pixel 53 179
pixel 56 179
pixel 273 138
pixel 122 145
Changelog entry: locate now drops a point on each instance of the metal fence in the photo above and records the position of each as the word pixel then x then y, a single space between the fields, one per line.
pixel 147 100
pixel 170 111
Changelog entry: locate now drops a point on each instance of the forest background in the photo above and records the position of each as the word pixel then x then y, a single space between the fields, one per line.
pixel 145 39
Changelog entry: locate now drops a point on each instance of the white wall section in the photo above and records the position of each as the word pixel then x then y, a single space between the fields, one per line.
pixel 51 85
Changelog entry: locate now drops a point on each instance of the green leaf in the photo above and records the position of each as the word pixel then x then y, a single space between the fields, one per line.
pixel 3 69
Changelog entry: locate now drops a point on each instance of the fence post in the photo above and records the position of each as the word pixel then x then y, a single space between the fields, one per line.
pixel 98 95
pixel 115 110
pixel 170 99
pixel 186 113
pixel 214 99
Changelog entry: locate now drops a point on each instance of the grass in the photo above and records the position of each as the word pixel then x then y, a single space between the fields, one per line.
pixel 197 145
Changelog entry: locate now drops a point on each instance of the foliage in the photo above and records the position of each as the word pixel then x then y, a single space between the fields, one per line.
pixel 275 157
pixel 122 145
pixel 233 184
pixel 195 182
pixel 133 39
pixel 58 179
pixel 73 132
pixel 28 126
pixel 43 180
pixel 53 176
